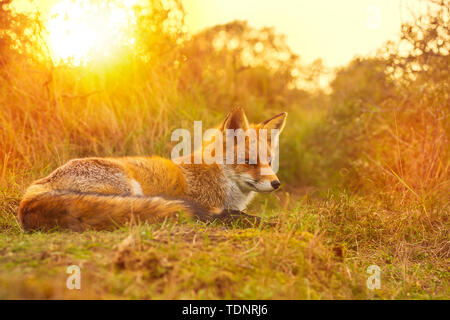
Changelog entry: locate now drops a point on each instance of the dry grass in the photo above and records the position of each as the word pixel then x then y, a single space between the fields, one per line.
pixel 317 250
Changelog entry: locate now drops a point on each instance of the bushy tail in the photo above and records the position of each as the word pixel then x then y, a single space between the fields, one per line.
pixel 81 211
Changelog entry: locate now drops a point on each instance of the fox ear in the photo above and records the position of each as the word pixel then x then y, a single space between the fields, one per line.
pixel 276 122
pixel 236 119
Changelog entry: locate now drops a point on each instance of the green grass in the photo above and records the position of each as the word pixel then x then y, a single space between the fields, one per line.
pixel 317 249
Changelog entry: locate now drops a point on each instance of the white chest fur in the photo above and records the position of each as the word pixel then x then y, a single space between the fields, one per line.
pixel 235 198
pixel 240 201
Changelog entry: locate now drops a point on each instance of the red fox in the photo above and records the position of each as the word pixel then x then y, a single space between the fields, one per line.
pixel 103 193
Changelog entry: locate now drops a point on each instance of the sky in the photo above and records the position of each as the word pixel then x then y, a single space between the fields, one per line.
pixel 332 30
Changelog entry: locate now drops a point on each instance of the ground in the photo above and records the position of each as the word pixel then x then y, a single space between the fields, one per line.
pixel 309 250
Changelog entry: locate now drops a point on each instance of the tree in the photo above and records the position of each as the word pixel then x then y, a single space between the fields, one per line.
pixel 239 63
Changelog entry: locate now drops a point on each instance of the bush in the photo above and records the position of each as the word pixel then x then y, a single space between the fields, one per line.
pixel 387 128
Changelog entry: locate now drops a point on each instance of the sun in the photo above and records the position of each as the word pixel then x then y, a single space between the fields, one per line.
pixel 80 31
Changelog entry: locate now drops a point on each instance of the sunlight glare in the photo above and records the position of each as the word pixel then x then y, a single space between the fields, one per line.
pixel 82 31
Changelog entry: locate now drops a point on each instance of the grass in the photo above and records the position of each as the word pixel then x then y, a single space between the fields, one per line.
pixel 317 249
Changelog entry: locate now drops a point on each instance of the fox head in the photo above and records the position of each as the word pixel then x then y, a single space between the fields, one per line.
pixel 251 151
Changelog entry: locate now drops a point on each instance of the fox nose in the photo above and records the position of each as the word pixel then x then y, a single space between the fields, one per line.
pixel 275 184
